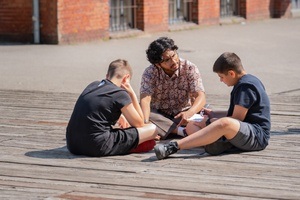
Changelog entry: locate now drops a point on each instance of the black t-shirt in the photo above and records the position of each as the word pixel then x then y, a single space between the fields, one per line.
pixel 96 110
pixel 250 93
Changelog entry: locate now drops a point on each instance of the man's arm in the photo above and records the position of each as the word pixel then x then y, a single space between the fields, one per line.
pixel 132 115
pixel 145 105
pixel 132 112
pixel 198 103
pixel 239 112
pixel 195 108
pixel 212 114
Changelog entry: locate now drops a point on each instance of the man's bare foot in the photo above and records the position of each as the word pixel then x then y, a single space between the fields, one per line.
pixel 157 138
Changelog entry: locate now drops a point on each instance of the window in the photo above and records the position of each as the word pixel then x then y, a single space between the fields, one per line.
pixel 295 4
pixel 228 8
pixel 179 11
pixel 122 15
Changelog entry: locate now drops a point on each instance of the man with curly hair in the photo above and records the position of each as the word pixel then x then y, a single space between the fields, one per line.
pixel 171 88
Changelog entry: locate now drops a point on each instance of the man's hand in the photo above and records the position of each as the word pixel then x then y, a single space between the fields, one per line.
pixel 185 115
pixel 123 123
pixel 208 112
pixel 128 88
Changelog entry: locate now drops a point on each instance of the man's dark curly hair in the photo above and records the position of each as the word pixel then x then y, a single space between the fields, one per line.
pixel 158 47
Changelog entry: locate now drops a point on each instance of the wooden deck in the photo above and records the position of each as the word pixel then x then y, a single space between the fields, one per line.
pixel 35 164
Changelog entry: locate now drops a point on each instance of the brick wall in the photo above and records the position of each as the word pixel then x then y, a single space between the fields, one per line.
pixel 258 9
pixel 262 9
pixel 282 8
pixel 61 21
pixel 206 12
pixel 82 20
pixel 71 21
pixel 152 16
pixel 16 21
pixel 48 22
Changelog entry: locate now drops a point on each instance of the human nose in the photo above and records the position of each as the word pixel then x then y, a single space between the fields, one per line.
pixel 173 60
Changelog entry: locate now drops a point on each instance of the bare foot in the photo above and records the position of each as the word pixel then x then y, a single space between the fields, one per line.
pixel 157 138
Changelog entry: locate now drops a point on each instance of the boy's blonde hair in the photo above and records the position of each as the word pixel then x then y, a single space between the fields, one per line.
pixel 119 68
pixel 228 61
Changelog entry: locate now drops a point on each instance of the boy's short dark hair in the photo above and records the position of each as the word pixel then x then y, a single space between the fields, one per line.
pixel 228 61
pixel 118 68
pixel 158 47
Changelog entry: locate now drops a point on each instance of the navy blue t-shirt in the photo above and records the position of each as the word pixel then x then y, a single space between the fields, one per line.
pixel 96 110
pixel 250 93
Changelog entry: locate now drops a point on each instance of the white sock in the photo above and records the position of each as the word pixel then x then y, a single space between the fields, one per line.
pixel 180 131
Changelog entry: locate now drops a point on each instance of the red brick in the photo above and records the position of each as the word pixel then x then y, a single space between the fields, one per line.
pixel 152 15
pixel 206 12
pixel 69 21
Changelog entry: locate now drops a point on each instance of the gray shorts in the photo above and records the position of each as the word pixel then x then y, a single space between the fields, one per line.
pixel 246 138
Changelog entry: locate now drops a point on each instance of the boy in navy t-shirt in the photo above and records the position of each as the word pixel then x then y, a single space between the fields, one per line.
pixel 246 125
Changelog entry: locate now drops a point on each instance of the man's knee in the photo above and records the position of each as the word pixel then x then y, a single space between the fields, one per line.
pixel 151 128
pixel 224 122
pixel 229 126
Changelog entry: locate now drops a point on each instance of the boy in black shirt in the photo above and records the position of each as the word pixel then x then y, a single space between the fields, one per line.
pixel 246 125
pixel 91 130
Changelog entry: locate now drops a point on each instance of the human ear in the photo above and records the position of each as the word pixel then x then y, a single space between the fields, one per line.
pixel 157 65
pixel 232 73
pixel 126 78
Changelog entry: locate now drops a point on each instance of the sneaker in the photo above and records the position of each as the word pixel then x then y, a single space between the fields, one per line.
pixel 218 147
pixel 164 150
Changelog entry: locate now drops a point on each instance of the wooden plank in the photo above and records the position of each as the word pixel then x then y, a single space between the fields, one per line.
pixel 201 164
pixel 185 182
pixel 35 163
pixel 84 190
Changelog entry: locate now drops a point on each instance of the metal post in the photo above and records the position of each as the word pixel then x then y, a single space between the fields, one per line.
pixel 36 21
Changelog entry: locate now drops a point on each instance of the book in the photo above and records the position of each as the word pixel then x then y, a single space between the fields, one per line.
pixel 196 118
